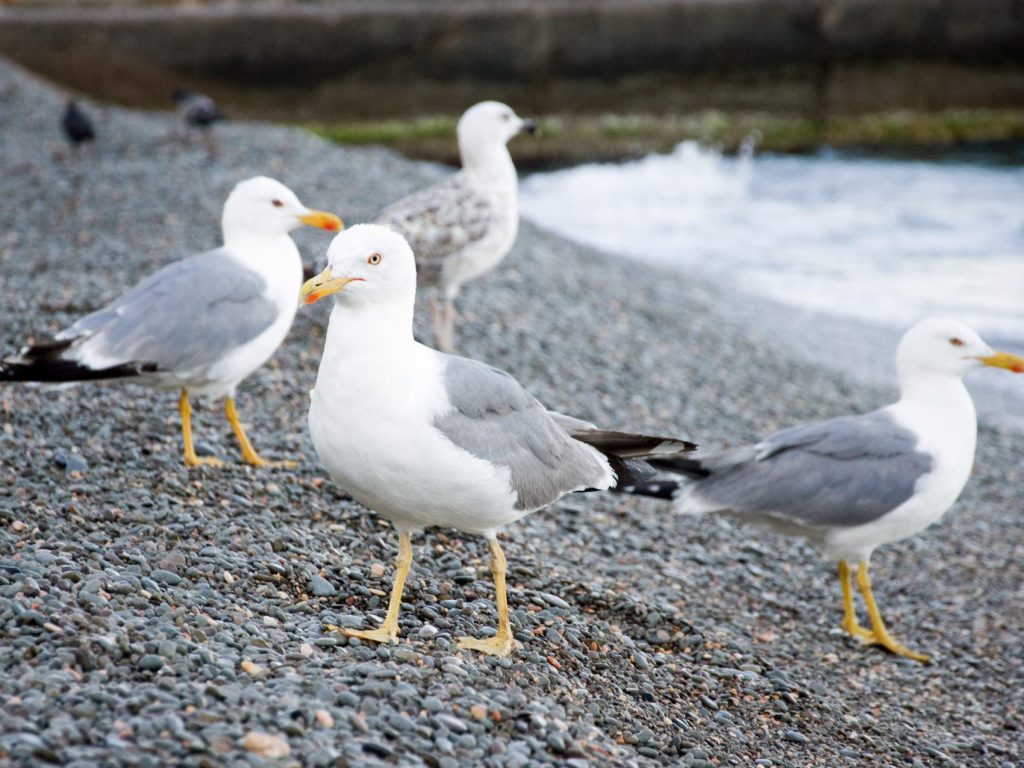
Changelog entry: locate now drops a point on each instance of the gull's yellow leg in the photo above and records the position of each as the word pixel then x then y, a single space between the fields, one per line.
pixel 388 631
pixel 879 634
pixel 249 455
pixel 850 623
pixel 503 642
pixel 191 460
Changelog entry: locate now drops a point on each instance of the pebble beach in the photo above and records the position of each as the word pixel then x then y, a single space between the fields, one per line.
pixel 153 616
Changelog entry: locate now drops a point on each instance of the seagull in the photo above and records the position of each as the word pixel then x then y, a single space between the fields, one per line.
pixel 77 125
pixel 425 438
pixel 851 484
pixel 463 226
pixel 201 324
pixel 198 112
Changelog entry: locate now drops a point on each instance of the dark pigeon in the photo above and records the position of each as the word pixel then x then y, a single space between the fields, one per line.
pixel 77 125
pixel 197 110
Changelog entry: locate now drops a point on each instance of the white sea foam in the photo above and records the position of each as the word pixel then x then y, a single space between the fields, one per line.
pixel 882 240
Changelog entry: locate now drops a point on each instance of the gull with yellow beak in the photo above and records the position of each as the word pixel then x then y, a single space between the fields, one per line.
pixel 851 484
pixel 199 325
pixel 424 438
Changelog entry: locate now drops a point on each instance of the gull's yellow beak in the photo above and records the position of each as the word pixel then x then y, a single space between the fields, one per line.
pixel 322 285
pixel 323 220
pixel 1005 360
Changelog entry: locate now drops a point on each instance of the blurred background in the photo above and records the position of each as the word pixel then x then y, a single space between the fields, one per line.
pixel 856 158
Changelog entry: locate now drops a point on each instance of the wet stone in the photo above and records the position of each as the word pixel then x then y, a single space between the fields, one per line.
pixel 151 662
pixel 320 587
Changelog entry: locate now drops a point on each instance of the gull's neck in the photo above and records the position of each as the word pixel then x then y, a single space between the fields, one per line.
pixel 488 163
pixel 936 389
pixel 381 328
pixel 241 237
pixel 940 411
pixel 272 255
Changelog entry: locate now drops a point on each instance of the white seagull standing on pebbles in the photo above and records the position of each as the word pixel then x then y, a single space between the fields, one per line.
pixel 201 324
pixel 462 227
pixel 854 483
pixel 425 438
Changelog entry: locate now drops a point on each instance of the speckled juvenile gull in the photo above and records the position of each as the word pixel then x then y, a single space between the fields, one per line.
pixel 463 226
pixel 201 324
pixel 429 439
pixel 854 483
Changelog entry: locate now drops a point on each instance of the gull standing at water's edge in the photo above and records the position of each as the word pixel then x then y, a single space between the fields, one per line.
pixel 424 438
pixel 463 226
pixel 851 484
pixel 201 324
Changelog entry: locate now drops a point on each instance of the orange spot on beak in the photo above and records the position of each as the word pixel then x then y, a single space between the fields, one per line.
pixel 322 220
pixel 1006 361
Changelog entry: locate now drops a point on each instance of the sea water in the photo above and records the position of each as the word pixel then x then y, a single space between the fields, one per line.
pixel 886 240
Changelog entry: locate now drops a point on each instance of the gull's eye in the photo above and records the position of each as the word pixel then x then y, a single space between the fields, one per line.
pixel 374 260
pixel 956 342
pixel 277 203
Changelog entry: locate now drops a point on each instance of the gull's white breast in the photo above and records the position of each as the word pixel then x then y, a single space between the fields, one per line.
pixel 371 419
pixel 485 254
pixel 947 426
pixel 281 269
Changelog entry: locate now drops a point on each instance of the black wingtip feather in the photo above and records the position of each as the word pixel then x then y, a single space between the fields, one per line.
pixel 629 471
pixel 43 364
pixel 627 444
pixel 667 490
pixel 692 468
pixel 633 457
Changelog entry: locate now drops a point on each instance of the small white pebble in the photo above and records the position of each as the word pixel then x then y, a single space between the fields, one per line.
pixel 266 744
pixel 324 718
pixel 252 669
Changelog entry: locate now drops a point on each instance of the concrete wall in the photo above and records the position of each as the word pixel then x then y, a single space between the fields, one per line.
pixel 516 40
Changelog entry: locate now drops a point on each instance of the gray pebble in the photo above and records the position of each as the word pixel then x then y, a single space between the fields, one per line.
pixel 165 577
pixel 151 662
pixel 320 587
pixel 452 723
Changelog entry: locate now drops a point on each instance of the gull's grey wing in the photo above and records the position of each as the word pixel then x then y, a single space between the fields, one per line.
pixel 570 423
pixel 841 472
pixel 185 316
pixel 439 222
pixel 495 419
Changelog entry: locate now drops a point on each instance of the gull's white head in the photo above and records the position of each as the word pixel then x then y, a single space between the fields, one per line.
pixel 366 264
pixel 948 348
pixel 263 207
pixel 489 125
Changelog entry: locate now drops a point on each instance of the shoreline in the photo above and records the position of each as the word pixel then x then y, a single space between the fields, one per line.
pixel 802 73
pixel 133 591
pixel 568 140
